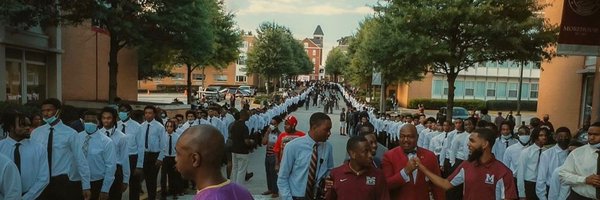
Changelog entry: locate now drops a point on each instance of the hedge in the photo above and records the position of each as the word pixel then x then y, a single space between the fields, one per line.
pixel 260 98
pixel 435 104
pixel 511 105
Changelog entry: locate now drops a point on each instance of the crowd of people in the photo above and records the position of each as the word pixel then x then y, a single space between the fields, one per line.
pixel 387 156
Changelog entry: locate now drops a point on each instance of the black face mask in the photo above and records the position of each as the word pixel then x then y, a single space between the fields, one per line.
pixel 475 155
pixel 563 144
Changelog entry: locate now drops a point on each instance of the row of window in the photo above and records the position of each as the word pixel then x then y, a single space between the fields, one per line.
pixel 482 89
pixel 200 77
pixel 511 64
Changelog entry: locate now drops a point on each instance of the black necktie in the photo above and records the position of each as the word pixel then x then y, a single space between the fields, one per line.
pixel 170 145
pixel 147 133
pixel 49 148
pixel 506 142
pixel 539 156
pixel 17 156
pixel 123 129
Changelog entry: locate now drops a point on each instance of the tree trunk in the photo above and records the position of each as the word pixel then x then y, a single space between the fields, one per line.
pixel 190 97
pixel 450 104
pixel 203 77
pixel 113 68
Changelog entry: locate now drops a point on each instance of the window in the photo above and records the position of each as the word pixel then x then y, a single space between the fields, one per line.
pixel 460 88
pixel 469 88
pixel 590 60
pixel 512 90
pixel 241 60
pixel 445 88
pixel 525 91
pixel 314 52
pixel 534 91
pixel 240 79
pixel 480 89
pixel 437 87
pixel 501 90
pixel 491 89
pixel 306 45
pixel 220 77
pixel 314 60
pixel 198 77
pixel 177 76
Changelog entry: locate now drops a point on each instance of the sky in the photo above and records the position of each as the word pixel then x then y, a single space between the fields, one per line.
pixel 338 18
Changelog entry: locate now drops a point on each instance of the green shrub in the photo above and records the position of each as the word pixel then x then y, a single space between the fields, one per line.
pixel 435 104
pixel 260 98
pixel 511 105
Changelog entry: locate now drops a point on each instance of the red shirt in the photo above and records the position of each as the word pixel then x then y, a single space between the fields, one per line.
pixel 401 189
pixel 491 180
pixel 283 139
pixel 370 184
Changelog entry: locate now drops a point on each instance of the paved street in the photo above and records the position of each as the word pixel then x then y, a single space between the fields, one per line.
pixel 258 184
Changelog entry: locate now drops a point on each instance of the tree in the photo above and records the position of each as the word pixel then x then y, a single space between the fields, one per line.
pixel 378 47
pixel 129 23
pixel 337 62
pixel 453 36
pixel 276 53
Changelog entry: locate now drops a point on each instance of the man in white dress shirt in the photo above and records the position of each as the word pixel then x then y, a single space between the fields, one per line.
pixel 68 167
pixel 108 118
pixel 529 161
pixel 10 182
pixel 99 151
pixel 551 159
pixel 513 152
pixel 190 117
pixel 153 132
pixel 29 157
pixel 135 149
pixel 580 170
pixel 504 141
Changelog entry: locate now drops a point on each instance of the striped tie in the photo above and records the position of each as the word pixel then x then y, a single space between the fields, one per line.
pixel 86 145
pixel 312 173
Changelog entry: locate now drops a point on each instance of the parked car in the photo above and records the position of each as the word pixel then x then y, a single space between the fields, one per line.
pixel 248 88
pixel 457 113
pixel 213 92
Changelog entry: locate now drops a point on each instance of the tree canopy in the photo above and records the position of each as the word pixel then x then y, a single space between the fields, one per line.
pixel 451 36
pixel 276 53
pixel 337 62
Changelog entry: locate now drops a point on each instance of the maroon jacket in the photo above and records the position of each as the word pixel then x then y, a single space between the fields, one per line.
pixel 395 160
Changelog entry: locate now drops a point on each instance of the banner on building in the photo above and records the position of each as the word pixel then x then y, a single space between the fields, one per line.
pixel 580 28
pixel 376 78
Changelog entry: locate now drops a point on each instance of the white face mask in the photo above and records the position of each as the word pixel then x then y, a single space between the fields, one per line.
pixel 595 146
pixel 506 137
pixel 272 127
pixel 524 139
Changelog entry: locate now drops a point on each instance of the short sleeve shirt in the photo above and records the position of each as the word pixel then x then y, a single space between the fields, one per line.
pixel 482 181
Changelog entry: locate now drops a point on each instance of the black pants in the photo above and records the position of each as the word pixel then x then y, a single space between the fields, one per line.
pixel 96 186
pixel 447 168
pixel 170 175
pixel 60 187
pixel 135 181
pixel 151 173
pixel 530 191
pixel 115 192
pixel 574 196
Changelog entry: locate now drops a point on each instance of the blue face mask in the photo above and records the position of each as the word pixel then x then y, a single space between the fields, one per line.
pixel 90 127
pixel 51 119
pixel 123 116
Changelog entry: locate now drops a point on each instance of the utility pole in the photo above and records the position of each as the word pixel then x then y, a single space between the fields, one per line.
pixel 518 115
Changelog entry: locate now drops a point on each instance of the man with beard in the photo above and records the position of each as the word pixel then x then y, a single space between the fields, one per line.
pixel 410 183
pixel 551 159
pixel 358 178
pixel 528 164
pixel 483 176
pixel 29 157
pixel 580 170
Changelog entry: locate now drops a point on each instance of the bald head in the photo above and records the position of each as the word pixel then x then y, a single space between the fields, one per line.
pixel 408 137
pixel 409 129
pixel 207 141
